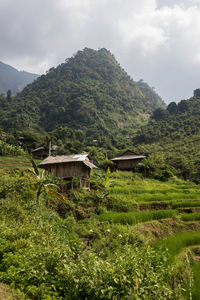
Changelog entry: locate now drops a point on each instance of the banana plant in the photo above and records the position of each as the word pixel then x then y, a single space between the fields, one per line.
pixel 44 183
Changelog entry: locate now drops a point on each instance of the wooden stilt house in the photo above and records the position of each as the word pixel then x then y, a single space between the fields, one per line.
pixel 68 167
pixel 127 161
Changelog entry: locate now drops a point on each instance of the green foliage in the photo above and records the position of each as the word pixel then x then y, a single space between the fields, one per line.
pixel 8 150
pixel 66 251
pixel 156 167
pixel 174 132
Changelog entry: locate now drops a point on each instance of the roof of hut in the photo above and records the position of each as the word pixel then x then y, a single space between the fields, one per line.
pixel 37 149
pixel 53 148
pixel 128 155
pixel 60 159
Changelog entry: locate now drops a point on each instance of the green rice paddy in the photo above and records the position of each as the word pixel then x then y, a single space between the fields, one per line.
pixel 191 217
pixel 133 218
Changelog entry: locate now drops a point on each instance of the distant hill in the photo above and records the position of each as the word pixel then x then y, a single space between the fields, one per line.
pixel 173 135
pixel 14 80
pixel 89 95
pixel 174 122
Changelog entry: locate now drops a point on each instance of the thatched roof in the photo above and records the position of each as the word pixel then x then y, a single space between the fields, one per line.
pixel 128 155
pixel 63 159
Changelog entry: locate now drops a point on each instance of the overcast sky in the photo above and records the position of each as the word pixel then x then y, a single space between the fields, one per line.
pixel 158 41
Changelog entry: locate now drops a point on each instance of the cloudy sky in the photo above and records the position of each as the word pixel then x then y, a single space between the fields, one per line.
pixel 156 40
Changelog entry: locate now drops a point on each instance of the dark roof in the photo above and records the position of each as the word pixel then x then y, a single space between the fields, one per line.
pixel 128 155
pixel 59 159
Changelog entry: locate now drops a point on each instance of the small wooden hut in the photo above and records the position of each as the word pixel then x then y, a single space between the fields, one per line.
pixel 42 152
pixel 68 167
pixel 127 161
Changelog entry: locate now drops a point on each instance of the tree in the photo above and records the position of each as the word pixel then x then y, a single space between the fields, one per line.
pixel 44 183
pixel 183 106
pixel 197 93
pixel 172 108
pixel 160 114
pixel 9 95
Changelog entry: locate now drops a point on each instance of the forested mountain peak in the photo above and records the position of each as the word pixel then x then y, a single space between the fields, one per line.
pixel 89 92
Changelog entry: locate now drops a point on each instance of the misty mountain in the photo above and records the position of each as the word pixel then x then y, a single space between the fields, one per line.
pixel 14 80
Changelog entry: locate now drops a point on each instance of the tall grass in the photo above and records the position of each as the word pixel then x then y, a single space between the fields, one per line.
pixel 184 204
pixel 142 190
pixel 191 217
pixel 157 197
pixel 196 285
pixel 175 243
pixel 133 218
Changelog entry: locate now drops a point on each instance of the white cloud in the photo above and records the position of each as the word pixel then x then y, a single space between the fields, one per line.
pixel 154 40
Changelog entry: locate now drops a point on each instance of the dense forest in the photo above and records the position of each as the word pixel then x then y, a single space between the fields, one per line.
pixel 89 97
pixel 172 136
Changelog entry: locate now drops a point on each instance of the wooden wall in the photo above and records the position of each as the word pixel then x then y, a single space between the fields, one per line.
pixel 69 170
pixel 127 164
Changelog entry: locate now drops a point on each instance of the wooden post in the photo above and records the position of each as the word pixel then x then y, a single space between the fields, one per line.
pixel 49 148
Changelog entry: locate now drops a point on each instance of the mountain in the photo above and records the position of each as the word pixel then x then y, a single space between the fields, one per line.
pixel 14 80
pixel 89 95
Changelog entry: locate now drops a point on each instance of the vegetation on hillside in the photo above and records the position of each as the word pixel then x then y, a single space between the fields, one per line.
pixel 171 140
pixel 176 122
pixel 67 250
pixel 87 101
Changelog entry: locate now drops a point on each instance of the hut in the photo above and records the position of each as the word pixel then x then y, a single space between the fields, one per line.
pixel 127 161
pixel 42 152
pixel 68 167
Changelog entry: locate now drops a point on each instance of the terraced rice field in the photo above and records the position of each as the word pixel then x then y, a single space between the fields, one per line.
pixel 140 201
pixel 13 163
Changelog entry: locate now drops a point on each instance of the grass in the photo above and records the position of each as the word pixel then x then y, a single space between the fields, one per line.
pixel 10 163
pixel 174 244
pixel 191 217
pixel 156 197
pixel 128 192
pixel 133 218
pixel 186 204
pixel 196 285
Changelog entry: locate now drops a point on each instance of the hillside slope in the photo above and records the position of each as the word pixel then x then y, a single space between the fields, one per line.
pixel 14 80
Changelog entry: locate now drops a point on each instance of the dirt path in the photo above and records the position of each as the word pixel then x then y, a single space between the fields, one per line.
pixel 6 293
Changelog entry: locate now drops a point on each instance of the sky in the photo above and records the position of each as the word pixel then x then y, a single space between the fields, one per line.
pixel 154 40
